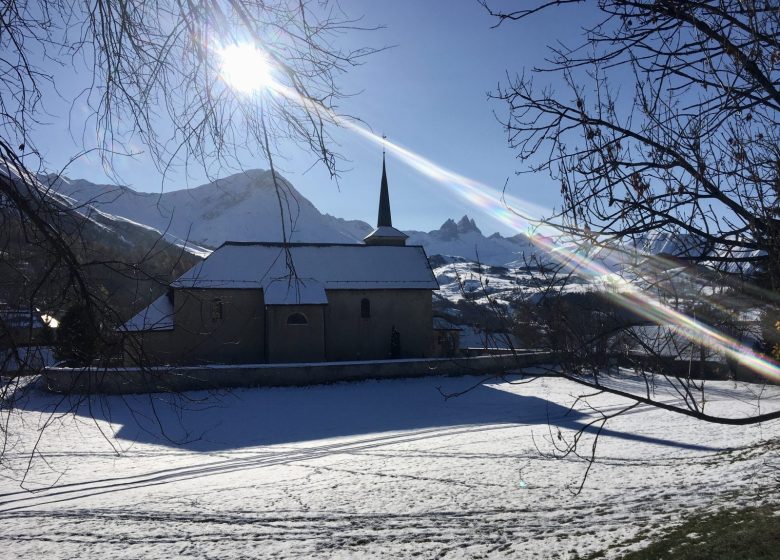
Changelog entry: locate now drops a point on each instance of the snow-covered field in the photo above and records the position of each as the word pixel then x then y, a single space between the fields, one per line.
pixel 378 469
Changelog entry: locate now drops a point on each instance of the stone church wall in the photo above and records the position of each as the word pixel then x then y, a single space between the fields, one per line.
pixel 211 326
pixel 350 336
pixel 295 342
pixel 233 326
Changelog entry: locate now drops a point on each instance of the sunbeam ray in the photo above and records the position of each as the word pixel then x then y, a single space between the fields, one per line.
pixel 525 217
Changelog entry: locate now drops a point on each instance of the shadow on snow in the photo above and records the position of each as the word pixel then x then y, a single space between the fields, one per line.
pixel 217 421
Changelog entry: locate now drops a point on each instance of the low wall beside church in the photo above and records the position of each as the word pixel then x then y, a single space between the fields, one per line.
pixel 175 379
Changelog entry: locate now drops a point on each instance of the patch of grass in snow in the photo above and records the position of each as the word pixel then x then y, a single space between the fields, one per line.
pixel 733 534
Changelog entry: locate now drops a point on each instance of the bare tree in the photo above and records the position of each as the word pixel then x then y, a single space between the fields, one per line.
pixel 661 121
pixel 153 78
pixel 668 122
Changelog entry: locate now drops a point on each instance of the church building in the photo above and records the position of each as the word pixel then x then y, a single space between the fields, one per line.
pixel 293 302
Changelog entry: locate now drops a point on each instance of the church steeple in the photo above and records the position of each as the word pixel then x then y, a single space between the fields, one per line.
pixel 385 233
pixel 384 218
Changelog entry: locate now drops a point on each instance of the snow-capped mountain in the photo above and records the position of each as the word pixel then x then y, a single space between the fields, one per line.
pixel 464 239
pixel 245 207
pixel 71 217
pixel 674 244
pixel 241 207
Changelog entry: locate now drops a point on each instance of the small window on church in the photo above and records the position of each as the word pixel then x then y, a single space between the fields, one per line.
pixel 365 308
pixel 297 319
pixel 216 310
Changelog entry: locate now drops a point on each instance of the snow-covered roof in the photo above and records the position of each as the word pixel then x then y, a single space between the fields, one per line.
pixel 388 232
pixel 157 317
pixel 334 266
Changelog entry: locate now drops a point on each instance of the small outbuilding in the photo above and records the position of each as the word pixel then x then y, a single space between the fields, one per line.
pixel 446 338
pixel 22 327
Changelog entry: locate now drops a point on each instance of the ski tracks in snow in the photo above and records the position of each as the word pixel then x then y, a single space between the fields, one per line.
pixel 455 491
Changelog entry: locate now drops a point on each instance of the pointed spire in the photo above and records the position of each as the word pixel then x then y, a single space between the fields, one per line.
pixel 385 233
pixel 384 218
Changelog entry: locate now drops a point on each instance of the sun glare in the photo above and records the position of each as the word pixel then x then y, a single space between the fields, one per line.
pixel 245 68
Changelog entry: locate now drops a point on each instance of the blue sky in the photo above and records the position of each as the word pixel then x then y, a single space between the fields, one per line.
pixel 428 93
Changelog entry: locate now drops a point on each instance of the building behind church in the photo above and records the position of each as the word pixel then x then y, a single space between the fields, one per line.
pixel 294 302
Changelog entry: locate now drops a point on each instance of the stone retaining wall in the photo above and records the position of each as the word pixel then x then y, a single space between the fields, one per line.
pixel 162 379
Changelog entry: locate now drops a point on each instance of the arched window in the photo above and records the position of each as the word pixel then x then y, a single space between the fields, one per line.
pixel 365 308
pixel 297 319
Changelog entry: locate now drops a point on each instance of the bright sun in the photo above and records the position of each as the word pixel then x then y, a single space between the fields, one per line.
pixel 245 68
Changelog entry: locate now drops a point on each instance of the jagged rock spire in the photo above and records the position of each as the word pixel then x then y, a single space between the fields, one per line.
pixel 384 218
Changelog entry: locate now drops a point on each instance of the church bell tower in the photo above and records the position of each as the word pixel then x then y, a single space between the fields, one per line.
pixel 385 233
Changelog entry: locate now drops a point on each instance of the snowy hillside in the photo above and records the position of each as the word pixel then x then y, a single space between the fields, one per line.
pixel 94 227
pixel 127 262
pixel 689 245
pixel 241 207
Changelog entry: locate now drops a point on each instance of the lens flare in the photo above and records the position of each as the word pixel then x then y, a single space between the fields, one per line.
pixel 519 216
pixel 245 68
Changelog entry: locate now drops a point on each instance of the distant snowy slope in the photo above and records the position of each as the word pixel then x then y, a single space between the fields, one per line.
pixel 678 245
pixel 354 229
pixel 241 207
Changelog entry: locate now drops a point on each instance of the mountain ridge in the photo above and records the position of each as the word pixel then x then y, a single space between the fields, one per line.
pixel 241 207
pixel 245 207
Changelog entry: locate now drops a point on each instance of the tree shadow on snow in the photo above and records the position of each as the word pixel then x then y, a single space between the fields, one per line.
pixel 243 418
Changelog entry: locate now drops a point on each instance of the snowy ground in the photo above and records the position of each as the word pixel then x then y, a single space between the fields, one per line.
pixel 372 470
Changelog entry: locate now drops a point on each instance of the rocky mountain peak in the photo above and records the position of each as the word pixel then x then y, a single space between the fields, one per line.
pixel 449 228
pixel 452 229
pixel 466 225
